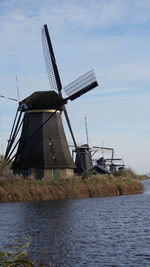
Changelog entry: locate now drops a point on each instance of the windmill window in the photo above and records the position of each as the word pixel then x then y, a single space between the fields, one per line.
pixel 49 142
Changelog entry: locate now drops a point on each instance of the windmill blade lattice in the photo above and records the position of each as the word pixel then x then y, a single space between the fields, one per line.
pixel 81 85
pixel 50 61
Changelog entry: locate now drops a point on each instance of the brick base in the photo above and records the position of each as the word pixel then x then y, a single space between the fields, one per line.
pixel 52 173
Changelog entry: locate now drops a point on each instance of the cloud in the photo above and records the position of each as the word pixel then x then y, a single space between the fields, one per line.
pixel 91 14
pixel 75 15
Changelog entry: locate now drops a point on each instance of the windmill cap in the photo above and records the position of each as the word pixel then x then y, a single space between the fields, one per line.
pixel 43 100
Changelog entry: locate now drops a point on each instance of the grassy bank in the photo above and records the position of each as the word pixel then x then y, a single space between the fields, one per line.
pixel 19 189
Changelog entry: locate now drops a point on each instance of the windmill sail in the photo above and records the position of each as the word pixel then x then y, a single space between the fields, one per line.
pixel 50 61
pixel 10 98
pixel 81 85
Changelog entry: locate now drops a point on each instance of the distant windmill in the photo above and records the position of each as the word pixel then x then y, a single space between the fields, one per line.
pixel 108 161
pixel 42 148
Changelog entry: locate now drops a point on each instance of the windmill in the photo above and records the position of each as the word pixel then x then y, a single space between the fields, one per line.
pixel 102 163
pixel 83 159
pixel 42 148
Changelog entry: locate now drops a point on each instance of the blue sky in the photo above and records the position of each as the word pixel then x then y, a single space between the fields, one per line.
pixel 111 36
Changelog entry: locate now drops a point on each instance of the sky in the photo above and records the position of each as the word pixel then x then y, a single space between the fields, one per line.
pixel 110 36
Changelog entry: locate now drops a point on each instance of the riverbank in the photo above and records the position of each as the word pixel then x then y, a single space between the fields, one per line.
pixel 19 189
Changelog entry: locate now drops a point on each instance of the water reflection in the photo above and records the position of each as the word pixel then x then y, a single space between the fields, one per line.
pixel 92 232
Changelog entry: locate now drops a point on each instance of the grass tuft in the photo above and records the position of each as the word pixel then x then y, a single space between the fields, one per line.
pixel 18 255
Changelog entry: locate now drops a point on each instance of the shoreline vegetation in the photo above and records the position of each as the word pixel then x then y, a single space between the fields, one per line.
pixel 16 188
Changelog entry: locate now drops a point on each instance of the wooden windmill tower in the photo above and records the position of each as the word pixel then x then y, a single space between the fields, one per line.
pixel 42 148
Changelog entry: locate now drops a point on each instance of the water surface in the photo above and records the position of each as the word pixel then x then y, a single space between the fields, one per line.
pixel 110 231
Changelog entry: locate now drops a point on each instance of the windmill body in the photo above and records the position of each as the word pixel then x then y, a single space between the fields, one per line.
pixel 42 148
pixel 83 159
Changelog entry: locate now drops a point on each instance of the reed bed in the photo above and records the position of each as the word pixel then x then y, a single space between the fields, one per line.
pixel 19 189
pixel 16 188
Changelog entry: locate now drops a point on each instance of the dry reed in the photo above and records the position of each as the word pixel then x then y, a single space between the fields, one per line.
pixel 20 189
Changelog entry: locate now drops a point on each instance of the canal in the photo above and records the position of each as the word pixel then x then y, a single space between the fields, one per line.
pixel 110 231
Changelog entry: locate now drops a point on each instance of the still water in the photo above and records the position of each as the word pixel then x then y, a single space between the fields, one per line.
pixel 112 231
